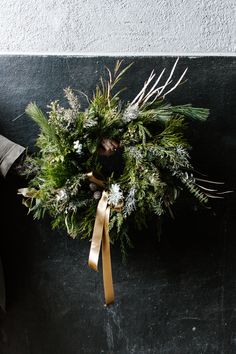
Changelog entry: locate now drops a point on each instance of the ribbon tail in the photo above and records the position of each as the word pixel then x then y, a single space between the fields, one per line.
pixel 106 261
pixel 97 232
pixel 101 237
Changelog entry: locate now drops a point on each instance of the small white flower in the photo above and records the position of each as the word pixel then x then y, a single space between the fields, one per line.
pixel 115 195
pixel 61 195
pixel 77 147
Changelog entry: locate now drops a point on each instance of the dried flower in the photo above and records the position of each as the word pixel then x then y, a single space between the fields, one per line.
pixel 115 195
pixel 131 113
pixel 61 195
pixel 72 99
pixel 77 147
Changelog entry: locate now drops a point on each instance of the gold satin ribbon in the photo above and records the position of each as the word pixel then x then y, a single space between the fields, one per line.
pixel 101 237
pixel 95 180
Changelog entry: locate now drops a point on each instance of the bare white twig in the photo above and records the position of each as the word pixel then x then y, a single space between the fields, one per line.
pixel 170 76
pixel 142 92
pixel 214 196
pixel 208 181
pixel 177 83
pixel 206 189
pixel 153 93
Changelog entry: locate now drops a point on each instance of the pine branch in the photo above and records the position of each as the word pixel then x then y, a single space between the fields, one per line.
pixel 191 112
pixel 38 116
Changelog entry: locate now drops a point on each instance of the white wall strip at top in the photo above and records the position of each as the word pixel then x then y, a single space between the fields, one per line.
pixel 119 54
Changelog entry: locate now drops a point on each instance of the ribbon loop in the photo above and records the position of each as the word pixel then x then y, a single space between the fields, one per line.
pixel 95 180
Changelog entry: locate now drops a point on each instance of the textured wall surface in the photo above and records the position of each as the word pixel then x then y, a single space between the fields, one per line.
pixel 118 26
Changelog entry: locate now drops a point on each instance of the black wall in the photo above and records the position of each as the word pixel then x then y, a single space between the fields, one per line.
pixel 173 296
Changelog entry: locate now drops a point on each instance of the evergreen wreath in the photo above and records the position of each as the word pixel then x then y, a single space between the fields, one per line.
pixel 135 151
